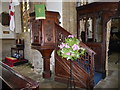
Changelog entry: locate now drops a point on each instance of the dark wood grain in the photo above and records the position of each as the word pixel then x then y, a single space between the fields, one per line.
pixel 82 77
pixel 15 80
pixel 43 37
pixel 105 10
pixel 52 34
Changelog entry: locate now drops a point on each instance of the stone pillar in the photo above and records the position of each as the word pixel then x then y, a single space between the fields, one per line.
pixel 66 15
pixel 73 21
pixel 18 19
pixel 69 17
pixel 107 44
pixel 0 49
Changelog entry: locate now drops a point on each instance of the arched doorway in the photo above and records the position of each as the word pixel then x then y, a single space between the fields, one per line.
pixel 114 45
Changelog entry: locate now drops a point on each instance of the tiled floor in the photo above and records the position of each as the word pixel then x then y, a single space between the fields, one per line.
pixel 111 81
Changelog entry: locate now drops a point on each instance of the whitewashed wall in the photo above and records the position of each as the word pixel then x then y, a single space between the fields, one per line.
pixel 55 6
pixel 5 8
pixel 6 40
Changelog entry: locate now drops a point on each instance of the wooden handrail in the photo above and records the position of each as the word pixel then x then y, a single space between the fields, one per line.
pixel 85 62
pixel 89 50
pixel 61 34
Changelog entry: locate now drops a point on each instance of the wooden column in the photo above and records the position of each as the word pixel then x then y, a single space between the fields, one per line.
pixel 46 53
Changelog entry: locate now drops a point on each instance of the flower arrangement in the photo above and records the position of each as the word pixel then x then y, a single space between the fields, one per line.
pixel 70 49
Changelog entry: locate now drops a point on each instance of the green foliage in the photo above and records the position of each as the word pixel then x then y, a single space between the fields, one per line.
pixel 70 49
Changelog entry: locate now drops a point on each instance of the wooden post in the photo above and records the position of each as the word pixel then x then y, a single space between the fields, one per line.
pixel 46 55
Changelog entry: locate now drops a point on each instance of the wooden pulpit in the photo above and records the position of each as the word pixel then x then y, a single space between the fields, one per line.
pixel 43 37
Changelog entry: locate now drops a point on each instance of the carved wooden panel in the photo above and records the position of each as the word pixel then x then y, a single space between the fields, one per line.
pixel 101 12
pixel 82 77
pixel 43 37
pixel 61 34
pixel 49 32
pixel 36 32
pixel 82 68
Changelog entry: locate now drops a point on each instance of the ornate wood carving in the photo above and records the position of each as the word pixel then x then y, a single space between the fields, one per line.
pixel 52 35
pixel 83 68
pixel 43 37
pixel 49 32
pixel 104 10
pixel 36 30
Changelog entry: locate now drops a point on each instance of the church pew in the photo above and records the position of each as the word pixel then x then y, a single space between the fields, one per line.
pixel 14 80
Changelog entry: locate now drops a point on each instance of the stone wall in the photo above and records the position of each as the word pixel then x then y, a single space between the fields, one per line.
pixel 8 40
pixel 0 49
pixel 5 47
pixel 4 8
pixel 107 43
pixel 34 56
pixel 69 17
